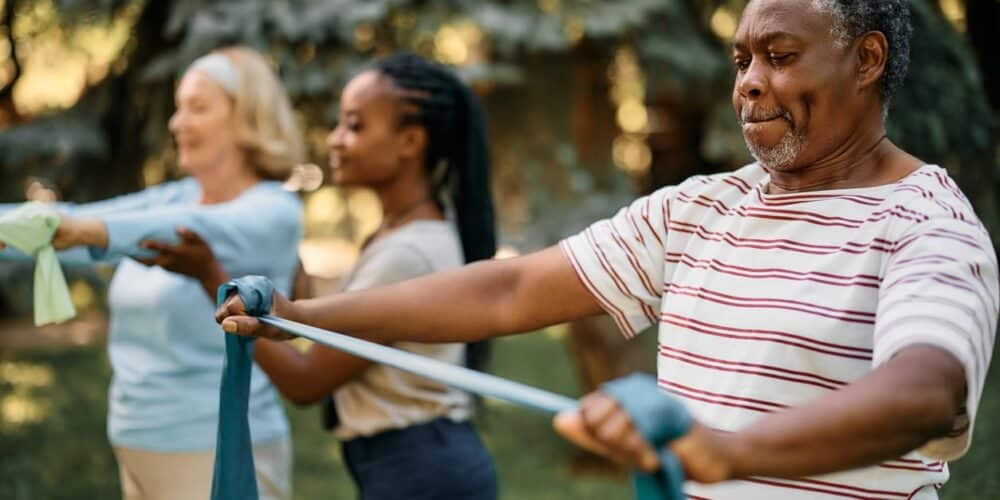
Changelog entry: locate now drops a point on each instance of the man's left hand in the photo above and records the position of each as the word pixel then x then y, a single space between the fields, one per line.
pixel 601 426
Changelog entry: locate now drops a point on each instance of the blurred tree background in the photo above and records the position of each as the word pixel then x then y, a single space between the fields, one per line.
pixel 589 103
pixel 574 89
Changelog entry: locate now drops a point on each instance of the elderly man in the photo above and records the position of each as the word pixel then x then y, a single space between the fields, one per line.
pixel 826 314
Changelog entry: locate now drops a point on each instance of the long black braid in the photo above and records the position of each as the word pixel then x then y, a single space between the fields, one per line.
pixel 457 143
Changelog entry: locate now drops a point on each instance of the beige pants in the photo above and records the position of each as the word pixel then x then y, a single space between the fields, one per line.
pixel 150 475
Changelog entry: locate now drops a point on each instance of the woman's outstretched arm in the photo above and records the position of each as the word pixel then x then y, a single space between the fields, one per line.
pixel 301 377
pixel 475 302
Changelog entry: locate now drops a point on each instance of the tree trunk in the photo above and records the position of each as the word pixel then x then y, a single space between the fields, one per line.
pixel 8 112
pixel 597 348
pixel 128 109
pixel 676 142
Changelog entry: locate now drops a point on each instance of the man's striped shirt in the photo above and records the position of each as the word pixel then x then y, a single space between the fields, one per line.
pixel 765 302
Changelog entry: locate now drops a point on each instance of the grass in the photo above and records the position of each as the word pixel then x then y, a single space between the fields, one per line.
pixel 53 446
pixel 53 405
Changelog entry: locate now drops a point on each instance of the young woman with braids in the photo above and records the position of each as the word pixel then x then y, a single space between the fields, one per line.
pixel 413 133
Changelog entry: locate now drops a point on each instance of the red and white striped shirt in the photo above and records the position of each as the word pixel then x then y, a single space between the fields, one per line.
pixel 765 302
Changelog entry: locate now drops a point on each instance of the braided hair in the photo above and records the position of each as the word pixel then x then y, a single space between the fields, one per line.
pixel 457 154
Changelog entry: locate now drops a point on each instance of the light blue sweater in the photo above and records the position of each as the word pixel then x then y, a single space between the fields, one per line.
pixel 165 347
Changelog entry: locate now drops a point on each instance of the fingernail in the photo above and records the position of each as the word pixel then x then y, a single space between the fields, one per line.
pixel 229 326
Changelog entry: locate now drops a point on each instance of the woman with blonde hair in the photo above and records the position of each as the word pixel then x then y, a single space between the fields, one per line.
pixel 236 139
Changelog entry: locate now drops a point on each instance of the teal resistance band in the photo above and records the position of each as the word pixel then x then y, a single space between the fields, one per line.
pixel 234 477
pixel 660 419
pixel 456 376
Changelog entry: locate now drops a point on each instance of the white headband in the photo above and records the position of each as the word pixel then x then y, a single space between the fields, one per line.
pixel 220 69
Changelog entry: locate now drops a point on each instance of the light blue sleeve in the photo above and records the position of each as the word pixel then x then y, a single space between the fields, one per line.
pixel 161 194
pixel 73 257
pixel 78 256
pixel 9 254
pixel 244 234
pixel 151 197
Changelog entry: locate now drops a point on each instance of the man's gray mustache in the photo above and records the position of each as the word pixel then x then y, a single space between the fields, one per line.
pixel 748 114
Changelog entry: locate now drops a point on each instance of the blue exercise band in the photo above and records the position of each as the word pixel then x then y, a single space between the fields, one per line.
pixel 448 374
pixel 659 419
pixel 234 476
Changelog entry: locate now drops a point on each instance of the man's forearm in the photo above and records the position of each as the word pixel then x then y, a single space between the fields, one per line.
pixel 899 407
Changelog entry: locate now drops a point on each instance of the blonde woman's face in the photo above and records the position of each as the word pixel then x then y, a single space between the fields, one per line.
pixel 202 126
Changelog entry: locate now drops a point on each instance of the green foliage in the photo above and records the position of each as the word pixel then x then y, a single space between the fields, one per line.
pixel 283 28
pixel 88 8
pixel 683 55
pixel 318 44
pixel 67 456
pixel 41 148
pixel 941 114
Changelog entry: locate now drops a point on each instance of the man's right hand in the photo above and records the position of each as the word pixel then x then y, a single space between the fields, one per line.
pixel 233 317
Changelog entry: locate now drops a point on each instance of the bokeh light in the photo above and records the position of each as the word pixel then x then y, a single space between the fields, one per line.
pixel 723 23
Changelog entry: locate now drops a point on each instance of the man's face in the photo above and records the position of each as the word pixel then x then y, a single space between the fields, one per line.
pixel 795 92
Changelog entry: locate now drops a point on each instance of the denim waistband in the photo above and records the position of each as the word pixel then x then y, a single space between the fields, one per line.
pixel 440 430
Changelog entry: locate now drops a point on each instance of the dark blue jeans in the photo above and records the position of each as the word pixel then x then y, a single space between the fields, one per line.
pixel 439 460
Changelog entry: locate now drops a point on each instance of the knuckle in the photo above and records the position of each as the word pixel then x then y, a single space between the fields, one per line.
pixel 606 434
pixel 636 445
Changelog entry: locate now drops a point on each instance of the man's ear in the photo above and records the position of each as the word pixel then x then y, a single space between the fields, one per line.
pixel 873 53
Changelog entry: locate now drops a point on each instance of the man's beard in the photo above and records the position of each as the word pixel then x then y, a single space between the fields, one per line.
pixel 782 154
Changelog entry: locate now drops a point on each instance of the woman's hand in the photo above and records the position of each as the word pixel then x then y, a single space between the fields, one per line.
pixel 601 426
pixel 80 231
pixel 191 257
pixel 232 315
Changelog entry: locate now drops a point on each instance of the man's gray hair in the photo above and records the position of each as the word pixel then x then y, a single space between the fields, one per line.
pixel 854 18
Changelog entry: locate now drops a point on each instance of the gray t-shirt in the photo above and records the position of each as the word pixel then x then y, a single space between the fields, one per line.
pixel 384 398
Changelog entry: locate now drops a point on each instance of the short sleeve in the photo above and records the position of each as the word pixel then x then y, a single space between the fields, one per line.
pixel 621 260
pixel 388 265
pixel 940 288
